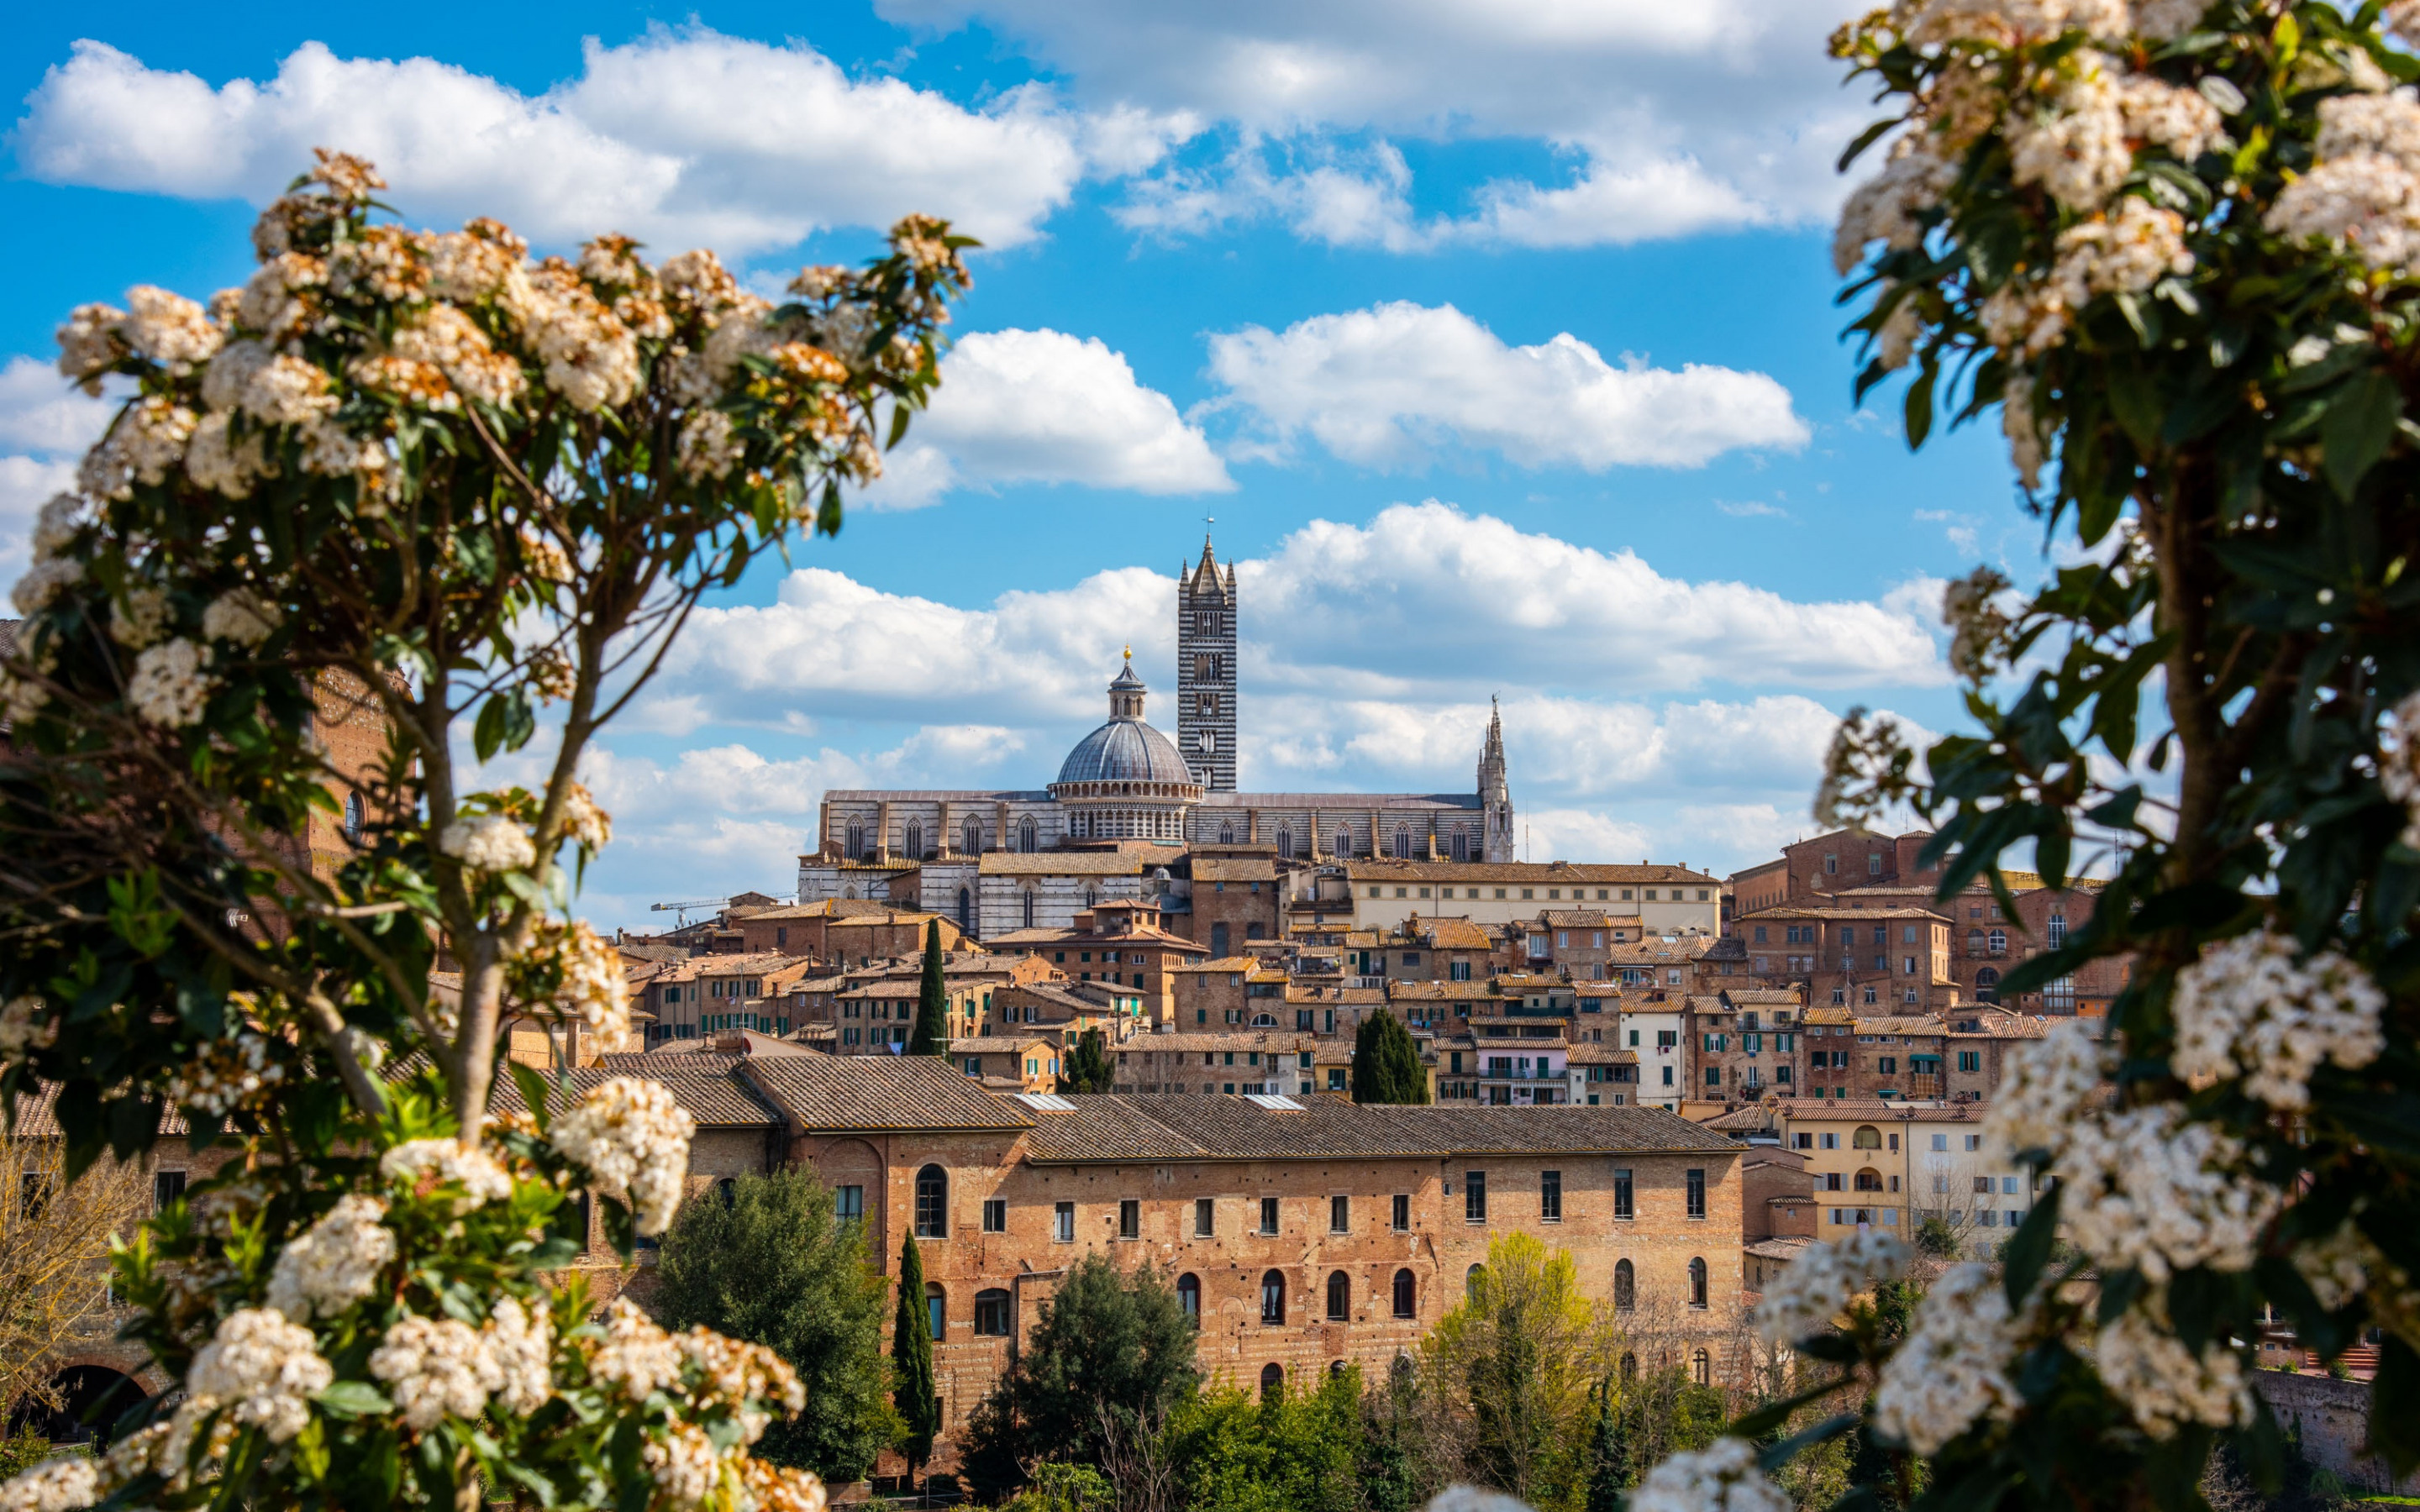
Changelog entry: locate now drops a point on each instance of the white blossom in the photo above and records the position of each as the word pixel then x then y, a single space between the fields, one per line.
pixel 145 443
pixel 2049 1084
pixel 634 1354
pixel 1953 1366
pixel 2387 124
pixel 227 1074
pixel 1884 208
pixel 1818 1285
pixel 89 344
pixel 709 447
pixel 2402 21
pixel 2398 760
pixel 583 822
pixel 170 683
pixel 335 1263
pixel 1721 1477
pixel 2249 1009
pixel 169 329
pixel 24 1027
pixel 1970 610
pixel 446 338
pixel 55 526
pixel 2074 145
pixel 684 1464
pixel 242 617
pixel 433 1368
pixel 286 390
pixel 450 1162
pixel 543 557
pixel 590 358
pixel 62 1484
pixel 2165 20
pixel 2365 201
pixel 592 982
pixel 2179 119
pixel 263 1369
pixel 42 581
pixel 1895 342
pixel 2166 1384
pixel 2345 1265
pixel 633 1137
pixel 2144 1188
pixel 521 1344
pixel 216 460
pixel 136 619
pixel 488 842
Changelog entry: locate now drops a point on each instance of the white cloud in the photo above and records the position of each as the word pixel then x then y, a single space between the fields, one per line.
pixel 1682 117
pixel 44 427
pixel 1392 385
pixel 1752 509
pixel 682 137
pixel 1045 407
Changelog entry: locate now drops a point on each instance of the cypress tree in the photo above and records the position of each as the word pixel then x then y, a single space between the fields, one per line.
pixel 1609 1470
pixel 1086 1065
pixel 911 1361
pixel 1387 1063
pixel 932 1036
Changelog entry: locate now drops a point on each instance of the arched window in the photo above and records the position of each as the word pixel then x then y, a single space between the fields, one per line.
pixel 915 839
pixel 1285 840
pixel 1273 1298
pixel 1340 1297
pixel 966 912
pixel 1188 1297
pixel 728 1190
pixel 1974 942
pixel 1403 844
pixel 1702 1368
pixel 1630 1368
pixel 1265 1021
pixel 1092 896
pixel 1625 1286
pixel 1227 833
pixel 1461 845
pixel 1866 1137
pixel 1696 1282
pixel 1272 1379
pixel 1343 842
pixel 854 847
pixel 1028 908
pixel 1336 1367
pixel 1473 1279
pixel 991 1312
pixel 849 893
pixel 1987 986
pixel 1869 1179
pixel 354 816
pixel 932 1203
pixel 1408 1304
pixel 1028 838
pixel 937 1308
pixel 972 841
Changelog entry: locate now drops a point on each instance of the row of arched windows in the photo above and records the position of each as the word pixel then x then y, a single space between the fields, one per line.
pixel 1403 1295
pixel 858 844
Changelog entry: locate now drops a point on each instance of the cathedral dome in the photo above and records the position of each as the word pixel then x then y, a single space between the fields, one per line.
pixel 1125 750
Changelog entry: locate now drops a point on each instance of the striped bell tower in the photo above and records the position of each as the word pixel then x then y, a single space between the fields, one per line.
pixel 1206 669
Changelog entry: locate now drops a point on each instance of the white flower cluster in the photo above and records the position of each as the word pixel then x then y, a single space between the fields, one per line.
pixel 633 1137
pixel 2050 1085
pixel 709 445
pixel 771 1487
pixel 2399 760
pixel 491 843
pixel 335 1262
pixel 2363 190
pixel 2346 1265
pixel 1953 1366
pixel 2124 254
pixel 170 683
pixel 1721 1477
pixel 64 1484
pixel 2023 431
pixel 2144 1188
pixel 2249 1009
pixel 584 824
pixel 262 1370
pixel 589 975
pixel 2165 1383
pixel 683 1463
pixel 1819 1285
pixel 146 440
pixel 138 616
pixel 226 1075
pixel 2074 144
pixel 24 1027
pixel 480 1175
pixel 240 617
pixel 634 1354
pixel 437 1367
pixel 1885 207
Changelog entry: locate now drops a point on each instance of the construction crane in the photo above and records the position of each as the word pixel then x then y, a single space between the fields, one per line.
pixel 681 910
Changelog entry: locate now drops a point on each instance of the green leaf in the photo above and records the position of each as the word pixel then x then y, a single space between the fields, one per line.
pixel 533 1090
pixel 354 1398
pixel 1865 139
pixel 1790 1448
pixel 1771 1416
pixel 1920 408
pixel 2029 1250
pixel 2357 428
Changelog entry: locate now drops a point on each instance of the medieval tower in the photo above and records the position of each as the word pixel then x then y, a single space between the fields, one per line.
pixel 1205 670
pixel 1496 791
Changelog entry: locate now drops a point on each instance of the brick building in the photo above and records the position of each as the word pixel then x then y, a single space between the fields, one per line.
pixel 1117 942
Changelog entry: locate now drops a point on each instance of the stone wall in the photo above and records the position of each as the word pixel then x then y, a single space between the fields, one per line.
pixel 2333 1418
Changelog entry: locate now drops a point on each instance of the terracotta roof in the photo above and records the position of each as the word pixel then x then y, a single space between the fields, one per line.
pixel 1225 869
pixel 874 1092
pixel 1588 1053
pixel 717 1098
pixel 1452 934
pixel 1761 997
pixel 1785 1249
pixel 1537 872
pixel 1224 963
pixel 1852 915
pixel 834 908
pixel 997 1044
pixel 1216 1127
pixel 1562 918
pixel 1872 1109
pixel 1908 1024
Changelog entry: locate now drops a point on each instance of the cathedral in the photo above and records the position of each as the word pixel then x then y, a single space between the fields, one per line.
pixel 1129 804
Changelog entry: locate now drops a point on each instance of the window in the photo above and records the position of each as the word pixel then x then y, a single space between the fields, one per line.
pixel 932 1203
pixel 1969 1060
pixel 1474 1196
pixel 166 1187
pixel 1625 1286
pixel 1696 1192
pixel 1407 1295
pixel 1203 1224
pixel 1273 1298
pixel 1702 1368
pixel 1550 1197
pixel 1866 1137
pixel 1402 1213
pixel 1340 1215
pixel 848 1204
pixel 991 1313
pixel 1063 1223
pixel 1941 1142
pixel 1272 1379
pixel 354 818
pixel 937 1310
pixel 1188 1297
pixel 1623 1206
pixel 1340 1297
pixel 1130 1219
pixel 1268 1215
pixel 1696 1282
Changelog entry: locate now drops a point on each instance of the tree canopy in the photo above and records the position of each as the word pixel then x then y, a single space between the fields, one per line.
pixel 1386 1062
pixel 1085 1067
pixel 913 1390
pixel 931 1035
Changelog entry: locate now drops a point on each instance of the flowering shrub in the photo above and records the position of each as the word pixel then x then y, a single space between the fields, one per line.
pixel 2177 245
pixel 420 481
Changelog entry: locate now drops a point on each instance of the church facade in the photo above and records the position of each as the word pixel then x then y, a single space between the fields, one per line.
pixel 1129 804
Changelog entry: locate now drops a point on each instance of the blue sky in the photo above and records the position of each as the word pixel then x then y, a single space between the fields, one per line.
pixel 1499 340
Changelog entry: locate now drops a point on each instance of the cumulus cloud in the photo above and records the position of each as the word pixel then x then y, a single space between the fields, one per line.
pixel 682 137
pixel 1682 119
pixel 1392 385
pixel 1045 407
pixel 45 425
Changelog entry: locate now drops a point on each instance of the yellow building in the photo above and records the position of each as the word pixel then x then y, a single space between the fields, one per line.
pixel 1891 1165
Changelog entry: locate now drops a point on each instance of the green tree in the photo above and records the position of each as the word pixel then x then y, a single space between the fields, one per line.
pixel 911 1360
pixel 1610 1470
pixel 931 1035
pixel 1110 1342
pixel 1517 1361
pixel 1086 1066
pixel 1387 1063
pixel 1292 1451
pixel 1399 1471
pixel 774 1267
